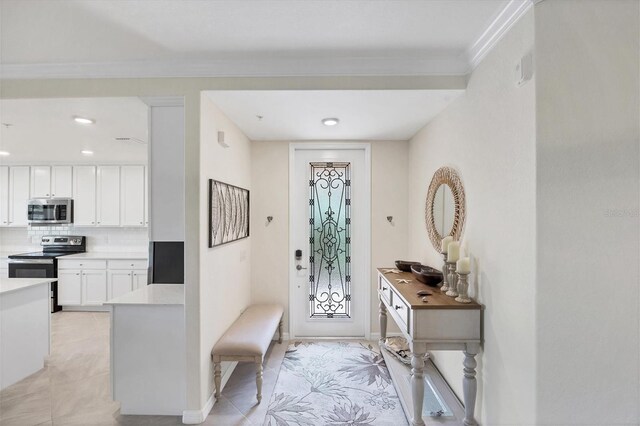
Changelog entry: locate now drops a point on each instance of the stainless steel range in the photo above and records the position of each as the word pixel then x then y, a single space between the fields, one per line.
pixel 44 264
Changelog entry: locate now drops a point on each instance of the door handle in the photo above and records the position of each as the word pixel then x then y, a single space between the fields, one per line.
pixel 299 267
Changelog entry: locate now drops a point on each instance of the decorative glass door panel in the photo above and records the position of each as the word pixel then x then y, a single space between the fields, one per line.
pixel 329 225
pixel 330 240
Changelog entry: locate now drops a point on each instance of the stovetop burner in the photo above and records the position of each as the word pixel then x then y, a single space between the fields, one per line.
pixel 54 246
pixel 40 255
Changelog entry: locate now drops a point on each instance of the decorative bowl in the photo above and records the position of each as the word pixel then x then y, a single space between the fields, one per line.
pixel 427 275
pixel 405 265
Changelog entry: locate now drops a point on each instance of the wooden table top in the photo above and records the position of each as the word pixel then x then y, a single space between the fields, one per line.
pixel 437 299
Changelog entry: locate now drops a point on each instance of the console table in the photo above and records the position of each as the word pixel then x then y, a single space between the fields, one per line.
pixel 441 323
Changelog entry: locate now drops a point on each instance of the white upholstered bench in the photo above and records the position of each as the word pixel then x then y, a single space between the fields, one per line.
pixel 248 339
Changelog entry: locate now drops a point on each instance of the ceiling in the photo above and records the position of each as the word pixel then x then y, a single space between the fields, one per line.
pixel 43 130
pixel 363 114
pixel 250 37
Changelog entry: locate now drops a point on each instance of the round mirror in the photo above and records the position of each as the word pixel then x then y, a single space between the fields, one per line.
pixel 443 210
pixel 445 206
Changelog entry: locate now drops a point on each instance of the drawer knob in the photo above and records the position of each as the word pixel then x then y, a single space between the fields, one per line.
pixel 384 288
pixel 398 307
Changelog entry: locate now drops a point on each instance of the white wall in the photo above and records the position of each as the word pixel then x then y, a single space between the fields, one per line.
pixel 270 197
pixel 224 270
pixel 588 183
pixel 166 172
pixel 488 135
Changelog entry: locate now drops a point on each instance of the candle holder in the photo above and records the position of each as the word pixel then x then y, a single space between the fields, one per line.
pixel 452 280
pixel 445 273
pixel 463 287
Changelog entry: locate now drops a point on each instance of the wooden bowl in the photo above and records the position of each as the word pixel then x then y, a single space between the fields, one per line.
pixel 405 265
pixel 427 275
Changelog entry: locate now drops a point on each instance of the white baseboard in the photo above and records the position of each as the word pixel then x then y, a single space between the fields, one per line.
pixel 194 417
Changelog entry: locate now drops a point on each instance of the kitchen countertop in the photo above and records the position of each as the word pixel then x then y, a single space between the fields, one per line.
pixel 108 255
pixel 153 294
pixel 8 285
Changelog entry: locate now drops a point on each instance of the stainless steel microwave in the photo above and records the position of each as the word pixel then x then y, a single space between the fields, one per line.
pixel 44 211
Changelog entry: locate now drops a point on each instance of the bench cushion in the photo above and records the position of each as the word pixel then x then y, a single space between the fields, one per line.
pixel 251 333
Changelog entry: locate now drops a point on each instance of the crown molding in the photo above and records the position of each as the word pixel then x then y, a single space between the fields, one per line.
pixel 453 64
pixel 245 67
pixel 511 13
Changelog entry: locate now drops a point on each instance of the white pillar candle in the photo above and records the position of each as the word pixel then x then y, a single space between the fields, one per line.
pixel 453 252
pixel 463 266
pixel 445 243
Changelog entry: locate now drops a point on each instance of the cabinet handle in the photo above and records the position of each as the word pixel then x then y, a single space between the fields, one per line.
pixel 77 274
pixel 397 307
pixel 384 288
pixel 140 223
pixel 53 195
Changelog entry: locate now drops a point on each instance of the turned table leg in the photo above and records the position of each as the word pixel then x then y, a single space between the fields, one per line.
pixel 417 383
pixel 217 378
pixel 469 384
pixel 259 370
pixel 383 321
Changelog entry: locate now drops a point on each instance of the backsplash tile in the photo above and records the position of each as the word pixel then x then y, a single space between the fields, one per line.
pixel 98 239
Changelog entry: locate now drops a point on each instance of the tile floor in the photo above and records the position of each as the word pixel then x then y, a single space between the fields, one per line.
pixel 74 387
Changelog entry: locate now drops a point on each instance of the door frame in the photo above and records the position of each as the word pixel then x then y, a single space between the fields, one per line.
pixel 366 148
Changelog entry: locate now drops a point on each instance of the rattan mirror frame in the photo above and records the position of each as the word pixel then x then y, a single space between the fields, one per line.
pixel 445 176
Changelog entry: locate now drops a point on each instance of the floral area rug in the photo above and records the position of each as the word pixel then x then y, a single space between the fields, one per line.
pixel 334 383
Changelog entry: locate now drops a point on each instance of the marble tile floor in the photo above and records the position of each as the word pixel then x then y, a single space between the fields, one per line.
pixel 74 387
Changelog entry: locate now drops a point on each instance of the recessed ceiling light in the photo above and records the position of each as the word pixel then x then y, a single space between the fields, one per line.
pixel 83 120
pixel 4 153
pixel 330 121
pixel 87 152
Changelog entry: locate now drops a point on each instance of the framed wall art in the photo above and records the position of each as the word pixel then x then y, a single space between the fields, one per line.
pixel 228 213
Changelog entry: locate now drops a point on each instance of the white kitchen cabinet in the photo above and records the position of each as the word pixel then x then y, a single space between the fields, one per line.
pixel 61 181
pixel 4 268
pixel 70 287
pixel 140 279
pixel 82 282
pixel 120 282
pixel 84 198
pixel 132 196
pixel 40 182
pixel 18 195
pixel 126 275
pixel 94 287
pixel 146 199
pixel 108 196
pixel 4 196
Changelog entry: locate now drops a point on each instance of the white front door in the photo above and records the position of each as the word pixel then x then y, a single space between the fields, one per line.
pixel 330 233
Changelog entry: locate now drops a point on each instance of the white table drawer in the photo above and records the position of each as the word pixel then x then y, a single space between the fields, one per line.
pixel 385 289
pixel 128 264
pixel 401 309
pixel 81 264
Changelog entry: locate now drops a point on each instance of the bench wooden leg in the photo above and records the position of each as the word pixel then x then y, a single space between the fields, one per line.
pixel 217 377
pixel 259 379
pixel 280 331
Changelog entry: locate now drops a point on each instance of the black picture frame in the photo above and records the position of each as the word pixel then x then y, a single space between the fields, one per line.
pixel 228 213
